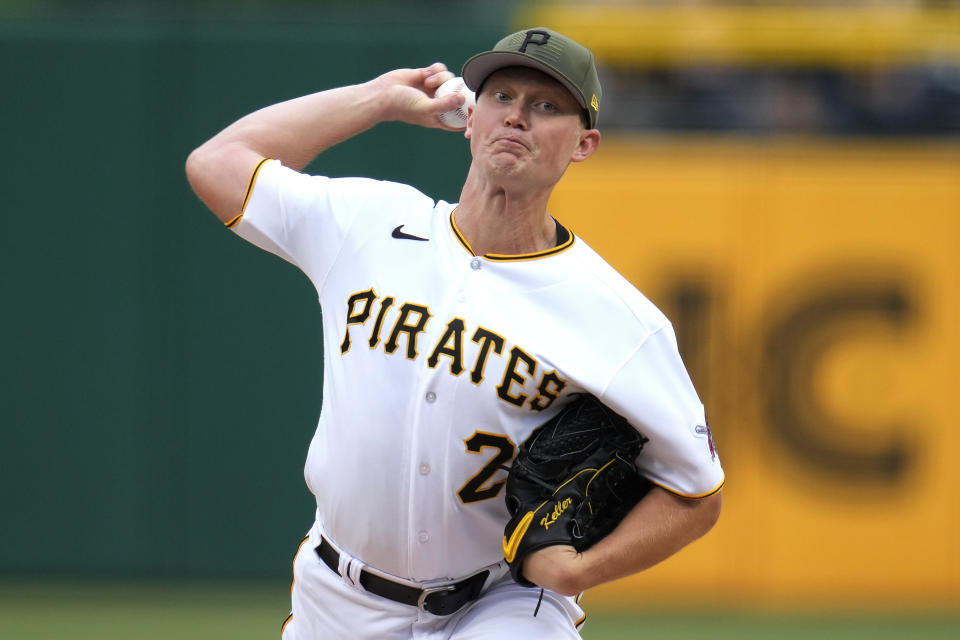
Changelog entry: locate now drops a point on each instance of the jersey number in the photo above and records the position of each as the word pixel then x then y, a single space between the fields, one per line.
pixel 474 490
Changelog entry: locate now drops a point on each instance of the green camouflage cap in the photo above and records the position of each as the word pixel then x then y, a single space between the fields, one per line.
pixel 566 60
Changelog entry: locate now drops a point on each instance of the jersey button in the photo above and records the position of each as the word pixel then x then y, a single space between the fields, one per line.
pixel 423 537
pixel 475 264
pixel 431 396
pixel 424 469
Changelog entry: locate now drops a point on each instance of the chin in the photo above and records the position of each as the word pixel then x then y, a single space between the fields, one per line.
pixel 505 164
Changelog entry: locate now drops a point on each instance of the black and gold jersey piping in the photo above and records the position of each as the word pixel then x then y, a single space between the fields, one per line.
pixel 565 240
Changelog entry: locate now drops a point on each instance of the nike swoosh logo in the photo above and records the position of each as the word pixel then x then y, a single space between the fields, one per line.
pixel 397 233
pixel 510 546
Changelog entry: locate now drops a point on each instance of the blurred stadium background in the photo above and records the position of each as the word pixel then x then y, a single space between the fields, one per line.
pixel 782 178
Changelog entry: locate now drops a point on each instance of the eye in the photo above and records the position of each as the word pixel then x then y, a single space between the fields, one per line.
pixel 501 96
pixel 549 107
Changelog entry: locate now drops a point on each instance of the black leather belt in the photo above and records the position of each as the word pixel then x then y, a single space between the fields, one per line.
pixel 440 601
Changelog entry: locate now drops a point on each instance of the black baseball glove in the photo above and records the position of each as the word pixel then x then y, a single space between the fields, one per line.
pixel 572 482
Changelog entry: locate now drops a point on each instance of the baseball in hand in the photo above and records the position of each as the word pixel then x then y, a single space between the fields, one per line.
pixel 456 119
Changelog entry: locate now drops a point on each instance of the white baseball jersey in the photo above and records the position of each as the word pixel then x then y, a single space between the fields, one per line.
pixel 439 363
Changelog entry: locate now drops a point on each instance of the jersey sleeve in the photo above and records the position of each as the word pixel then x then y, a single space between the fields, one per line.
pixel 653 390
pixel 301 218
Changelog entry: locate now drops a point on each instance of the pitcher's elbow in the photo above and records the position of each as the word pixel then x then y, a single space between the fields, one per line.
pixel 194 168
pixel 711 510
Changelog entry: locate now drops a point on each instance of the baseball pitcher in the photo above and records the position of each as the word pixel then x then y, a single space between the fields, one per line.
pixel 464 344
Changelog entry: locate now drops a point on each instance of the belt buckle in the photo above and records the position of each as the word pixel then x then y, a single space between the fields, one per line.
pixel 429 591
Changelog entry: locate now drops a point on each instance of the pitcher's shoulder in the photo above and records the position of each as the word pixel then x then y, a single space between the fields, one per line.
pixel 608 281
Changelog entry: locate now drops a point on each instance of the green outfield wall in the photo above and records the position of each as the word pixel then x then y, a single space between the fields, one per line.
pixel 161 378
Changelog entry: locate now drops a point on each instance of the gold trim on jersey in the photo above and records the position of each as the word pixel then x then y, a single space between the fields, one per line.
pixel 583 619
pixel 283 627
pixel 294 563
pixel 230 224
pixel 502 257
pixel 690 496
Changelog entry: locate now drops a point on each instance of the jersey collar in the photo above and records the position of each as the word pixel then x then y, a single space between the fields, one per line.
pixel 565 237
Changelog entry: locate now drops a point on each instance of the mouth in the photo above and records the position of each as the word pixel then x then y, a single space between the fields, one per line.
pixel 511 141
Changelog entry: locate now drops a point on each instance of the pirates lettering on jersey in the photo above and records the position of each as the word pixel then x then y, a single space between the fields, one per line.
pixel 411 320
pixel 363 300
pixel 454 351
pixel 407 310
pixel 512 375
pixel 549 390
pixel 375 334
pixel 485 338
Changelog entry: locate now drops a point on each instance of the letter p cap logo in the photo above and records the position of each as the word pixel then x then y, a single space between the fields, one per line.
pixel 532 38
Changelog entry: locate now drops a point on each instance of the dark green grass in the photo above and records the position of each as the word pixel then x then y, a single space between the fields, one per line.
pixel 687 625
pixel 82 610
pixel 141 611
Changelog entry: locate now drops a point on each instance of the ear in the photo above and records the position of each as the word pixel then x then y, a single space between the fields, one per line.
pixel 469 129
pixel 589 142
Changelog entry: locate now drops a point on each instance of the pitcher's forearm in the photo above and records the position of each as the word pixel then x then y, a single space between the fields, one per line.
pixel 657 528
pixel 297 130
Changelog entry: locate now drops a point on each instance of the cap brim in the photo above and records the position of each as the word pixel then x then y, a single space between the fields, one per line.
pixel 478 68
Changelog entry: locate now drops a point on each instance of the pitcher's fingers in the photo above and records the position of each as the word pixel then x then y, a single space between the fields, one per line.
pixel 436 67
pixel 435 75
pixel 446 103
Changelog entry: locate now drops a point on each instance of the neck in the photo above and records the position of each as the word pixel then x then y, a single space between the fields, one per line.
pixel 494 218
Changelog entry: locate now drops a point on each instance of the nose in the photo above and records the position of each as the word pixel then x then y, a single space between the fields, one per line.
pixel 515 116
